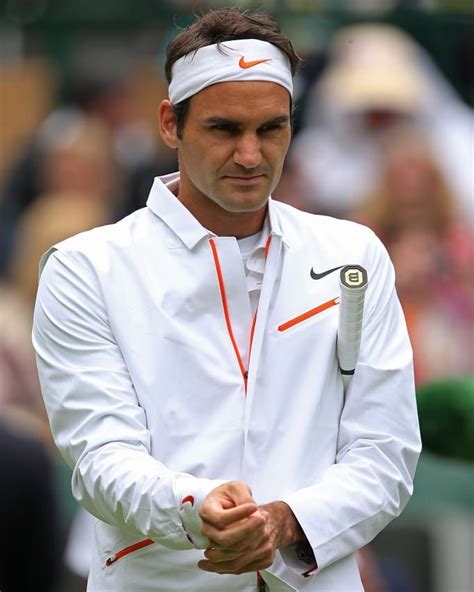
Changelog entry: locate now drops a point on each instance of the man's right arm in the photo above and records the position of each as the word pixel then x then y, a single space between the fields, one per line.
pixel 97 422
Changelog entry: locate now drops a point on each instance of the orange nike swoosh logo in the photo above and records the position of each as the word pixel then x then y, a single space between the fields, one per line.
pixel 244 64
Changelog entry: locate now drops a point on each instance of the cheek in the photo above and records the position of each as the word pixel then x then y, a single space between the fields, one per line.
pixel 213 159
pixel 277 147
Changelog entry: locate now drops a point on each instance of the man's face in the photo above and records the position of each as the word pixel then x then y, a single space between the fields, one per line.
pixel 233 145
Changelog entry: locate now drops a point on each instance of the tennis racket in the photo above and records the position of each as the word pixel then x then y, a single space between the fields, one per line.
pixel 353 284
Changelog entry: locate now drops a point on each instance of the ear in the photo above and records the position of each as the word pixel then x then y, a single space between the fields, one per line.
pixel 168 124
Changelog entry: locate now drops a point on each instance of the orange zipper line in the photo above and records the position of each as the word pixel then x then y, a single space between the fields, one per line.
pixel 308 314
pixel 127 551
pixel 267 246
pixel 220 280
pixel 252 331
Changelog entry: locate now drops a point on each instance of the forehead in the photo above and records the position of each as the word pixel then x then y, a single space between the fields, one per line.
pixel 241 101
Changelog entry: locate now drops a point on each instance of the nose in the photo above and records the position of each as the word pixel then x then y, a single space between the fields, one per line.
pixel 247 151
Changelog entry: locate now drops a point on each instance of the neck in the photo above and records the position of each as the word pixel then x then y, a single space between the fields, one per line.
pixel 222 222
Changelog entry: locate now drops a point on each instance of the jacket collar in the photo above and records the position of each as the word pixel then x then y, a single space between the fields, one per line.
pixel 163 203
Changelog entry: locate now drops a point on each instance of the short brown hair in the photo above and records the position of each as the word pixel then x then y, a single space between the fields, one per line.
pixel 218 26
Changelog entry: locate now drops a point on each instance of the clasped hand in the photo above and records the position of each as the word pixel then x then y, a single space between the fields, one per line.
pixel 243 536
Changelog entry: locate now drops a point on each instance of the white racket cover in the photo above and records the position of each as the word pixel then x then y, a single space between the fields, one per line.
pixel 353 283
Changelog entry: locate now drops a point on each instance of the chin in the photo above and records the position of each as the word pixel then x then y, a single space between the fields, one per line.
pixel 244 202
pixel 245 207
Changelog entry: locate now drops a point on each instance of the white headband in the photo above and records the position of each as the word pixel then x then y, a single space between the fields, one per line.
pixel 238 60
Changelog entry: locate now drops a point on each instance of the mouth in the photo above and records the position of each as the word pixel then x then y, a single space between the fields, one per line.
pixel 244 180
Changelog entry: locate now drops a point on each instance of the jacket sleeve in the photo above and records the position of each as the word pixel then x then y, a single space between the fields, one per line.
pixel 96 420
pixel 378 440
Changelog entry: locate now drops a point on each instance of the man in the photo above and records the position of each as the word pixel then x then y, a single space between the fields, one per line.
pixel 199 407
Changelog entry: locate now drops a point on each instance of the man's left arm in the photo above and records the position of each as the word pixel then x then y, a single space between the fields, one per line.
pixel 378 441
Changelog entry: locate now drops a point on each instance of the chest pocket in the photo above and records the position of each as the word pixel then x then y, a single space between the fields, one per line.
pixel 308 315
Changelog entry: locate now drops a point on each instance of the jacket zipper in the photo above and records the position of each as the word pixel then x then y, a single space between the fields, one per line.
pixel 220 280
pixel 127 551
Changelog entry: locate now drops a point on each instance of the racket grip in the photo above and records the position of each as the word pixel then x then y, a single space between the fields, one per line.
pixel 353 284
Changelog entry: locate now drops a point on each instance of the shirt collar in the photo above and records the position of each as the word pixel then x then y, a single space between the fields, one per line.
pixel 164 204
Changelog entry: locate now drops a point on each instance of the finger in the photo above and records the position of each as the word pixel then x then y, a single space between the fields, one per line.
pixel 260 559
pixel 247 543
pixel 245 531
pixel 221 554
pixel 213 513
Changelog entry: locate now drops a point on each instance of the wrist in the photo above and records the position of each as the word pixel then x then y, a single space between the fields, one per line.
pixel 289 531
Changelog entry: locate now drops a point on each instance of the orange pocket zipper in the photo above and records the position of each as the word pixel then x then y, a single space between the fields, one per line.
pixel 308 314
pixel 127 551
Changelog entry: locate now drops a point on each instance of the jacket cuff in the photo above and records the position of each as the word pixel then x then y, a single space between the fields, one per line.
pixel 300 559
pixel 190 492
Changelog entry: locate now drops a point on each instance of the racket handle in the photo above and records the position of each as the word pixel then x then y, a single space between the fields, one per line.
pixel 353 284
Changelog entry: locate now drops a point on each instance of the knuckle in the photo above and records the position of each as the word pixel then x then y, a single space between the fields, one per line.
pixel 267 551
pixel 203 512
pixel 222 540
pixel 258 521
pixel 241 485
pixel 242 545
pixel 269 547
pixel 266 538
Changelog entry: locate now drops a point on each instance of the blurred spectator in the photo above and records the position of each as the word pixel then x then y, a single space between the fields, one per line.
pixel 412 191
pixel 414 213
pixel 102 88
pixel 31 551
pixel 71 153
pixel 77 157
pixel 47 221
pixel 78 553
pixel 370 573
pixel 103 130
pixel 376 80
pixel 77 171
pixel 30 556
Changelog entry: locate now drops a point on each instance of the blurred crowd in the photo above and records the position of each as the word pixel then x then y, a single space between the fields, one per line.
pixel 383 140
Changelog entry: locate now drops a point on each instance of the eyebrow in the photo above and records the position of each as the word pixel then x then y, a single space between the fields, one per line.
pixel 280 120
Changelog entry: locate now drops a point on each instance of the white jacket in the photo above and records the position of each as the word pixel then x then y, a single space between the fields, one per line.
pixel 148 402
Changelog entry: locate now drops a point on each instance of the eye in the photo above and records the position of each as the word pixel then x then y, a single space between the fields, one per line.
pixel 227 128
pixel 272 127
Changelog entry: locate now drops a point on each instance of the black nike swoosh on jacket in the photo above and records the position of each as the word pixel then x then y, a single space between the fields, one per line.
pixel 318 276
